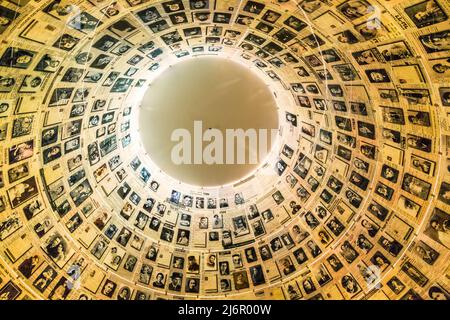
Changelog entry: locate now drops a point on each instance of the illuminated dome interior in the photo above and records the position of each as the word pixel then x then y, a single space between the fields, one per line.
pixel 218 93
pixel 351 202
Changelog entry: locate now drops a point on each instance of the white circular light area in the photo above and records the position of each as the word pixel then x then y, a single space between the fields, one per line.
pixel 205 98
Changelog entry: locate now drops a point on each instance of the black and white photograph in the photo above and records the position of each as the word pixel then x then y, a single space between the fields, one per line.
pixel 426 13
